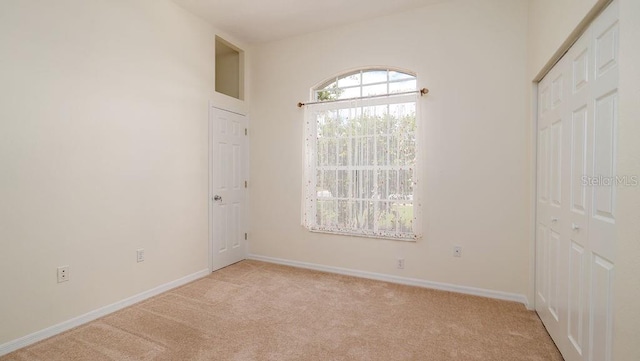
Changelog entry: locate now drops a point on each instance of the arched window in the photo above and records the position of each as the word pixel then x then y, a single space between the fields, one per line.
pixel 360 154
pixel 365 83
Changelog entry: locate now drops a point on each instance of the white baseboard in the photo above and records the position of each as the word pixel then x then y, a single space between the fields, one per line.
pixel 400 280
pixel 95 314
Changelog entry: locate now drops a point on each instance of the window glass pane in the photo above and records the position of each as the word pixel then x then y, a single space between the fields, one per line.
pixel 343 124
pixel 319 221
pixel 355 151
pixel 383 184
pixel 326 125
pixel 345 115
pixel 344 184
pixel 329 93
pixel 377 89
pixel 326 152
pixel 382 124
pixel 395 75
pixel 386 216
pixel 382 150
pixel 370 217
pixel 403 86
pixel 364 184
pixel 370 151
pixel 358 126
pixel 393 149
pixel 364 215
pixel 406 184
pixel 392 183
pixel 402 110
pixel 379 111
pixel 363 150
pixel 344 215
pixel 369 184
pixel 376 76
pixel 321 157
pixel 326 184
pixel 343 152
pixel 350 80
pixel 368 124
pixel 330 85
pixel 405 217
pixel 326 213
pixel 377 118
pixel 386 125
pixel 332 152
pixel 349 93
pixel 408 150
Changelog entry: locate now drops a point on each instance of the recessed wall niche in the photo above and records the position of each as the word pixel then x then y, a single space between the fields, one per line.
pixel 229 69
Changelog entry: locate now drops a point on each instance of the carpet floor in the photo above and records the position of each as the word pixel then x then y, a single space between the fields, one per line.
pixel 260 311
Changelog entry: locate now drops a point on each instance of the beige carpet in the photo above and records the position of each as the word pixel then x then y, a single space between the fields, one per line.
pixel 259 311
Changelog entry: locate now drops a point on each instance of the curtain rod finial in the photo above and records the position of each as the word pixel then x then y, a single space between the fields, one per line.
pixel 424 91
pixel 300 105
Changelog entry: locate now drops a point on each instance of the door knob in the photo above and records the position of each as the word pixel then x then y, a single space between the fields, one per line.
pixel 554 220
pixel 575 227
pixel 217 198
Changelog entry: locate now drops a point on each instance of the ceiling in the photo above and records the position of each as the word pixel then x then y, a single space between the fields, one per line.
pixel 258 21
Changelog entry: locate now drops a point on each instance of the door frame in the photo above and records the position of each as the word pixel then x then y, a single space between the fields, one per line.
pixel 210 192
pixel 595 11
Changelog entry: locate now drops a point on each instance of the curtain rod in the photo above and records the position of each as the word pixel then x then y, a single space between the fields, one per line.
pixel 422 91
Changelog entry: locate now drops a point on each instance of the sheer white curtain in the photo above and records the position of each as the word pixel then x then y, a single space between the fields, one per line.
pixel 361 171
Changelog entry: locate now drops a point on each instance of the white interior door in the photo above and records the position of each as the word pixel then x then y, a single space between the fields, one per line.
pixel 575 237
pixel 227 201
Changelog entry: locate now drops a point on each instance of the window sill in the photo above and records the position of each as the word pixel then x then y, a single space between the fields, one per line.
pixel 412 239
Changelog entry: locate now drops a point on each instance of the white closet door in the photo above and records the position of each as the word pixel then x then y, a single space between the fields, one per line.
pixel 602 166
pixel 575 238
pixel 580 109
pixel 553 133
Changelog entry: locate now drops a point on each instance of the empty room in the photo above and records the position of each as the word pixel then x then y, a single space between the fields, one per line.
pixel 320 180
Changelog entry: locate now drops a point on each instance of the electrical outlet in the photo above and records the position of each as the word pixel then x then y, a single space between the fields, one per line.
pixel 140 255
pixel 63 274
pixel 400 263
pixel 457 251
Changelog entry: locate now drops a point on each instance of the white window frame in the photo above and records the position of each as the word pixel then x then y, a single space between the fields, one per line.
pixel 311 166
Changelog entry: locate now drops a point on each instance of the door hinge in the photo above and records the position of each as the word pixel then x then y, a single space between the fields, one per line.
pixel 246 131
pixel 245 236
pixel 245 184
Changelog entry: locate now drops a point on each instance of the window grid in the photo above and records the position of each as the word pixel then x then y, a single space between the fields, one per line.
pixel 387 82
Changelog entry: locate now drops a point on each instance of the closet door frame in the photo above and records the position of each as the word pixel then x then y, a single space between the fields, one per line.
pixel 585 228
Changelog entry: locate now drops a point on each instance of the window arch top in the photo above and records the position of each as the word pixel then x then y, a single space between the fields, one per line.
pixel 364 83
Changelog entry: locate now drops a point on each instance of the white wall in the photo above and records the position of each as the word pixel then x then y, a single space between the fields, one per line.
pixel 472 56
pixel 103 150
pixel 626 286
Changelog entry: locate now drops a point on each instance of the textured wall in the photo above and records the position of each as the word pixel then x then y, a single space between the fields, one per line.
pixel 103 150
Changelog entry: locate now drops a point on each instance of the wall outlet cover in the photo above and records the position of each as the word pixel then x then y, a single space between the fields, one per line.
pixel 63 274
